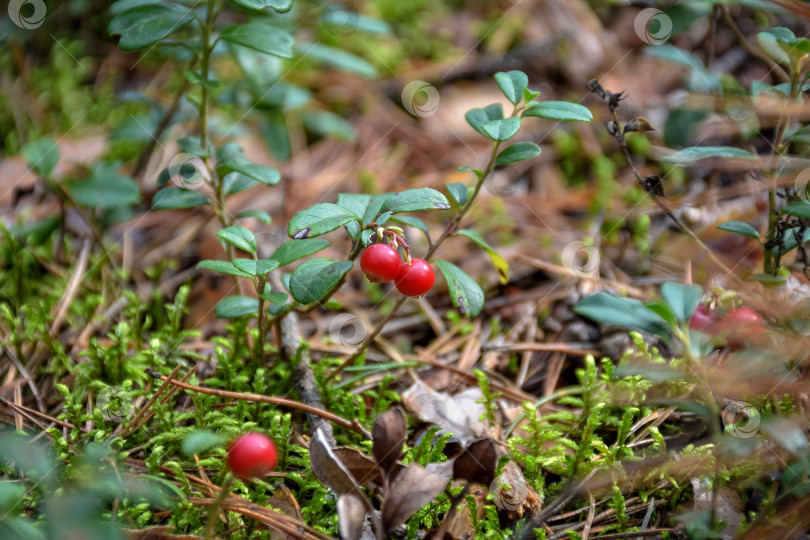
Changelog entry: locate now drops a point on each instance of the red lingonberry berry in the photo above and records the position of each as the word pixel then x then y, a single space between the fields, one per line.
pixel 415 279
pixel 252 454
pixel 381 263
pixel 703 319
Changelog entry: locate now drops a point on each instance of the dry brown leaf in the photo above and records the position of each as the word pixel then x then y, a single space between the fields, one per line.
pixel 412 489
pixel 362 467
pixel 388 435
pixel 457 414
pixel 460 525
pixel 351 512
pixel 477 463
pixel 328 468
pixel 284 501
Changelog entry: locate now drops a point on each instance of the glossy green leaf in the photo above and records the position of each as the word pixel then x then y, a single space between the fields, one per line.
pixel 799 209
pixel 171 198
pixel 148 24
pixel 520 151
pixel 414 200
pixel 232 307
pixel 239 237
pixel 261 37
pixel 740 228
pixel 465 293
pixel 105 188
pixel 298 249
pixel 41 155
pixel 624 312
pixel 559 110
pixel 201 440
pixel 196 78
pixel 318 220
pixel 191 145
pixel 223 267
pixel 280 6
pixel 501 130
pixel 260 173
pixel 478 117
pixel 500 263
pixel 693 154
pixel 328 124
pixel 770 44
pixel 261 215
pixel 312 279
pixel 374 207
pixel 236 182
pixel 458 190
pixel 338 59
pixel 255 267
pixel 276 297
pixel 355 202
pixel 682 298
pixel 512 84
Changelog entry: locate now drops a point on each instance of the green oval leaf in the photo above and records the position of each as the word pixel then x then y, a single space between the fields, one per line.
pixel 240 237
pixel 311 280
pixel 255 267
pixel 501 130
pixel 696 153
pixel 414 200
pixel 280 6
pixel 199 441
pixel 512 84
pixel 232 307
pixel 682 298
pixel 261 173
pixel 559 110
pixel 740 228
pixel 172 198
pixel 500 263
pixel 625 312
pixel 319 219
pixel 105 188
pixel 458 190
pixel 261 215
pixel 338 59
pixel 148 24
pixel 261 37
pixel 223 267
pixel 41 155
pixel 298 249
pixel 478 117
pixel 790 241
pixel 798 209
pixel 465 293
pixel 520 151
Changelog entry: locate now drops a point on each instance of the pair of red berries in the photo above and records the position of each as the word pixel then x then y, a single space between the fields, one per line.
pixel 251 455
pixel 736 326
pixel 381 263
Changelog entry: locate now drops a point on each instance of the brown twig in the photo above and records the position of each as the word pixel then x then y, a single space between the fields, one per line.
pixel 282 402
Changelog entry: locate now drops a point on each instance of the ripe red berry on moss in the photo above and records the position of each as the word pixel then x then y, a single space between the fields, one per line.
pixel 251 455
pixel 381 263
pixel 415 279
